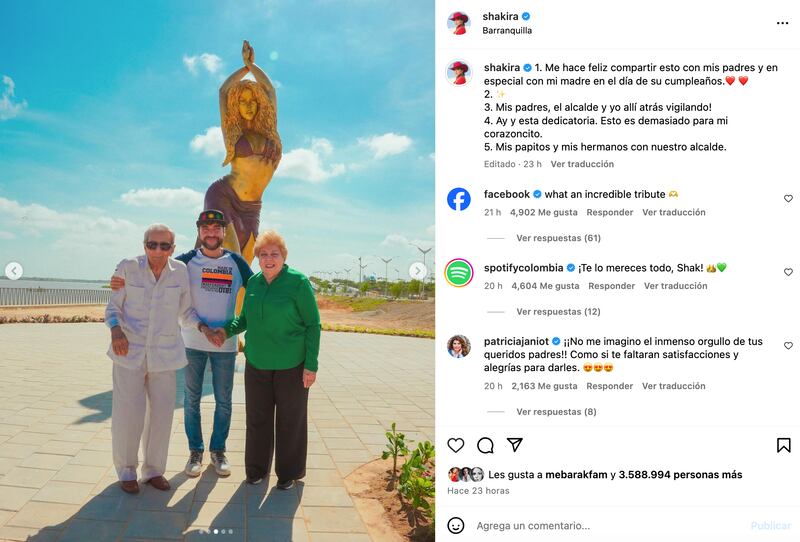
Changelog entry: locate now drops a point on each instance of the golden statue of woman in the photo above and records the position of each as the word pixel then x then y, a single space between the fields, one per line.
pixel 248 110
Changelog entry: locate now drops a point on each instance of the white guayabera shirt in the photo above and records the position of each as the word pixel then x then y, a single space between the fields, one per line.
pixel 149 313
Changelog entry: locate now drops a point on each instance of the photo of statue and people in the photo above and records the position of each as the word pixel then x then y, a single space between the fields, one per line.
pixel 217 306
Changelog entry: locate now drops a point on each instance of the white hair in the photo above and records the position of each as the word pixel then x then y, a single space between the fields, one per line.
pixel 158 227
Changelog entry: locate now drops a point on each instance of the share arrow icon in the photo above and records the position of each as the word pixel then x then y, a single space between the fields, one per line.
pixel 515 442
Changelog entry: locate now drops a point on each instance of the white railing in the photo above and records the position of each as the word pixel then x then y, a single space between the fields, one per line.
pixel 52 296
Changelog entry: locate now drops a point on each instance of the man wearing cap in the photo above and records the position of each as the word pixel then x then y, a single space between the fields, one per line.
pixel 459 19
pixel 215 276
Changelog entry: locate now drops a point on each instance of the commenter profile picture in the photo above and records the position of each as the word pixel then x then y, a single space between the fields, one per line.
pixel 458 73
pixel 458 346
pixel 458 272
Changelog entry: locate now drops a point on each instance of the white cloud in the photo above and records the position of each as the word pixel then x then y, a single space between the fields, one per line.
pixel 164 197
pixel 9 107
pixel 212 63
pixel 309 164
pixel 38 219
pixel 6 235
pixel 210 143
pixel 387 144
pixel 396 240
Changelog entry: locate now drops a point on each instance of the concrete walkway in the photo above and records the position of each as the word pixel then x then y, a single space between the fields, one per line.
pixel 56 477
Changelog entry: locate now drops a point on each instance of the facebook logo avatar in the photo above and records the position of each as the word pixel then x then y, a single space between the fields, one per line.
pixel 458 199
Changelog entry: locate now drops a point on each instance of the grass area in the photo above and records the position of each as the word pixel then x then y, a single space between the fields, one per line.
pixel 357 304
pixel 421 333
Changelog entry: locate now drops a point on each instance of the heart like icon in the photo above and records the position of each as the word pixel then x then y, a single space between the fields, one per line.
pixel 743 79
pixel 730 79
pixel 455 444
pixel 788 271
pixel 722 267
pixel 788 198
pixel 788 345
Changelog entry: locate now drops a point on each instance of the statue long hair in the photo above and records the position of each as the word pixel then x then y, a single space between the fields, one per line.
pixel 233 125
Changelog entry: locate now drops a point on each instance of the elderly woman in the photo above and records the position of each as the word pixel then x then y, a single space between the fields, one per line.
pixel 282 331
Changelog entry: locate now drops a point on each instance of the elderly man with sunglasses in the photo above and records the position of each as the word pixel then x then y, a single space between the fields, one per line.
pixel 147 350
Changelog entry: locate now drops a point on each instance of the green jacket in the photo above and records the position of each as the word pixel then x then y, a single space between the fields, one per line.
pixel 281 321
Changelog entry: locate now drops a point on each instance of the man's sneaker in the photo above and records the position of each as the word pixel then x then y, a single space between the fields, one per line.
pixel 255 480
pixel 194 466
pixel 285 484
pixel 221 464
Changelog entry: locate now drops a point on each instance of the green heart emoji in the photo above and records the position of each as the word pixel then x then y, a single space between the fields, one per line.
pixel 722 267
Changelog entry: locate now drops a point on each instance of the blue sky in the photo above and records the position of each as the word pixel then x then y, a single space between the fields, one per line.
pixel 109 122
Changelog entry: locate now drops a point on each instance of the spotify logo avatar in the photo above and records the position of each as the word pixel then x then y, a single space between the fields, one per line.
pixel 458 272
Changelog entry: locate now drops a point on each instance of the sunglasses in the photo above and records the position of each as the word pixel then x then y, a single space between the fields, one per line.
pixel 152 245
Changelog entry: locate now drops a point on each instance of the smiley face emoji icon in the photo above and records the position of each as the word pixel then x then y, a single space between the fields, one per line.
pixel 455 525
pixel 673 193
pixel 608 367
pixel 598 367
pixel 587 366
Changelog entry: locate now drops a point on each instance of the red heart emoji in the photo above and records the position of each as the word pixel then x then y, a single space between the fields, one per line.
pixel 730 79
pixel 743 79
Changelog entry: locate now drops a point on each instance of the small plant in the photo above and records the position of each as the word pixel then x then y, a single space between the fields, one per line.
pixel 426 452
pixel 416 483
pixel 418 489
pixel 394 448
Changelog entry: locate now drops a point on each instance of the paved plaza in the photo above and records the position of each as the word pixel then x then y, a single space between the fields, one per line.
pixel 57 481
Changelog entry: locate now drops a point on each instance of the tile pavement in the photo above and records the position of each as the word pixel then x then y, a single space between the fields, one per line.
pixel 57 481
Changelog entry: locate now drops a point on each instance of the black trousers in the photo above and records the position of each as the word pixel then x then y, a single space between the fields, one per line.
pixel 276 404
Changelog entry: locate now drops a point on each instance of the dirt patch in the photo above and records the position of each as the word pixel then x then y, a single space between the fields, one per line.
pixel 403 315
pixel 386 517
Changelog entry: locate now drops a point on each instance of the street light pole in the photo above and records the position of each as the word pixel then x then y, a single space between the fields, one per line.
pixel 386 276
pixel 360 269
pixel 424 255
pixel 337 278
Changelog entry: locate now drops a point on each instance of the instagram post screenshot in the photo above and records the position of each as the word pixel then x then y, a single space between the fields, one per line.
pixel 217 300
pixel 349 271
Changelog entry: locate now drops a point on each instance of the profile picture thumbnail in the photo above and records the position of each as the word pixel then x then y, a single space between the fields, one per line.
pixel 465 474
pixel 458 346
pixel 458 23
pixel 458 73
